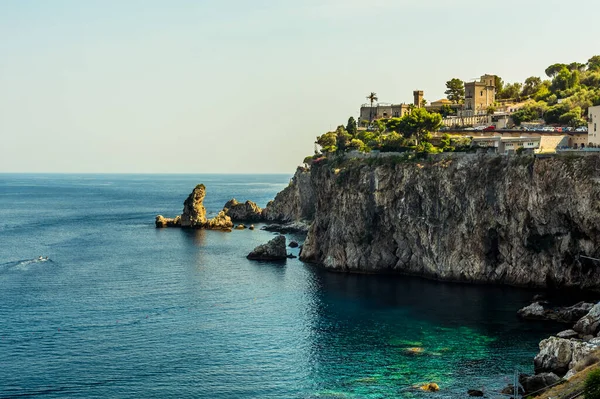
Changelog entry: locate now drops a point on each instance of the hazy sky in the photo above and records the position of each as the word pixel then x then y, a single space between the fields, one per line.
pixel 245 86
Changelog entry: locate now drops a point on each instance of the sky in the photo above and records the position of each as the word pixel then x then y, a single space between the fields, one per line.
pixel 176 86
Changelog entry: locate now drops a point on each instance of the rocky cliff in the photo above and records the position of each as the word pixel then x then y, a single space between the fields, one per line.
pixel 476 218
pixel 296 203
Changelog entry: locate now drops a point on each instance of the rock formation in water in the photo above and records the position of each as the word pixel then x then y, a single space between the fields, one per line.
pixel 476 218
pixel 273 250
pixel 243 212
pixel 194 214
pixel 541 311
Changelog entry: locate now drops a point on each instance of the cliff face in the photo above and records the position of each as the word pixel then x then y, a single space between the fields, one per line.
pixel 295 203
pixel 489 219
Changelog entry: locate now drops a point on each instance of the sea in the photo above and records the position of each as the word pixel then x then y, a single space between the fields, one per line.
pixel 121 309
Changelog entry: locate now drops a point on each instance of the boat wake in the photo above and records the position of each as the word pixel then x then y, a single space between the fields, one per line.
pixel 24 264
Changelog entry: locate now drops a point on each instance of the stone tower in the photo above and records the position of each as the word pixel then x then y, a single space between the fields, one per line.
pixel 418 98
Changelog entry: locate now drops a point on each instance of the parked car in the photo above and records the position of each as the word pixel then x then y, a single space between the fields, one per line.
pixel 567 129
pixel 469 128
pixel 489 128
pixel 481 127
pixel 547 129
pixel 581 129
pixel 558 129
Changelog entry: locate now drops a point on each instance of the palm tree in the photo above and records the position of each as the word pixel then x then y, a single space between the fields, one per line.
pixel 372 97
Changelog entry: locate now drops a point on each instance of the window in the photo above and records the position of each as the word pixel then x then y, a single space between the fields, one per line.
pixel 481 93
pixel 594 127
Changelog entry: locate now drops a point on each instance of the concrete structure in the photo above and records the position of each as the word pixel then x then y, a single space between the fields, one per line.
pixel 594 126
pixel 507 145
pixel 479 95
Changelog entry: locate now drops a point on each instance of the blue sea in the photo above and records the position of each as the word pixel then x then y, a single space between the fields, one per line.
pixel 123 310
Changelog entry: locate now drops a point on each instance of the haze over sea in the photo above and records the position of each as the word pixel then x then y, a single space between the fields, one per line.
pixel 122 309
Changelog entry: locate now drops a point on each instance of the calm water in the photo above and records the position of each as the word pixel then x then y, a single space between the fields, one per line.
pixel 124 310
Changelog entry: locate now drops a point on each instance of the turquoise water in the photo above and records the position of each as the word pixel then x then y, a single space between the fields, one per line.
pixel 122 309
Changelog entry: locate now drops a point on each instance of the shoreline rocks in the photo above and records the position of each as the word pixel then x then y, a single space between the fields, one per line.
pixel 272 250
pixel 541 311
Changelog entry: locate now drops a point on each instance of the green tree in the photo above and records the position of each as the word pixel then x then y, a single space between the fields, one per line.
pixel 455 90
pixel 591 388
pixel 447 110
pixel 499 83
pixel 372 97
pixel 593 63
pixel 446 141
pixel 327 141
pixel 576 66
pixel 419 124
pixel 554 69
pixel 351 128
pixel 491 110
pixel 342 139
pixel 511 91
pixel 572 118
pixel 356 144
pixel 531 86
pixel 565 80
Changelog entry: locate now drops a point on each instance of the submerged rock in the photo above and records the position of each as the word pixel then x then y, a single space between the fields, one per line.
pixel 293 227
pixel 430 387
pixel 272 250
pixel 474 392
pixel 243 212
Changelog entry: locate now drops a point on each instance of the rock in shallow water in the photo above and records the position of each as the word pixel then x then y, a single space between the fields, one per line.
pixel 559 355
pixel 243 212
pixel 273 250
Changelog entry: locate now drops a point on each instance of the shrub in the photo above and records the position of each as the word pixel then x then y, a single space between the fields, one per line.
pixel 591 389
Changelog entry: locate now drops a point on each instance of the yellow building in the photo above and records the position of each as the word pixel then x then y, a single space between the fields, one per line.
pixel 479 95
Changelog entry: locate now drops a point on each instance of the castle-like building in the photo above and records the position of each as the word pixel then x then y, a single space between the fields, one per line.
pixel 479 96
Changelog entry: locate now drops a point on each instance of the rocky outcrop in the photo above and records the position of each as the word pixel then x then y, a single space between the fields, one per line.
pixel 295 203
pixel 194 214
pixel 473 218
pixel 273 250
pixel 162 221
pixel 590 323
pixel 559 355
pixel 243 212
pixel 541 311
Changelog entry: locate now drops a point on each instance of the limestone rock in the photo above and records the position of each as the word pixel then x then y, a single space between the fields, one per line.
pixel 590 323
pixel 251 227
pixel 273 250
pixel 293 244
pixel 472 218
pixel 243 212
pixel 567 334
pixel 194 213
pixel 559 355
pixel 537 383
pixel 297 202
pixel 240 227
pixel 219 222
pixel 570 314
pixel 162 221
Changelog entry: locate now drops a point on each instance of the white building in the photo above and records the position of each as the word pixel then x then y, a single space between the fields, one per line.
pixel 593 125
